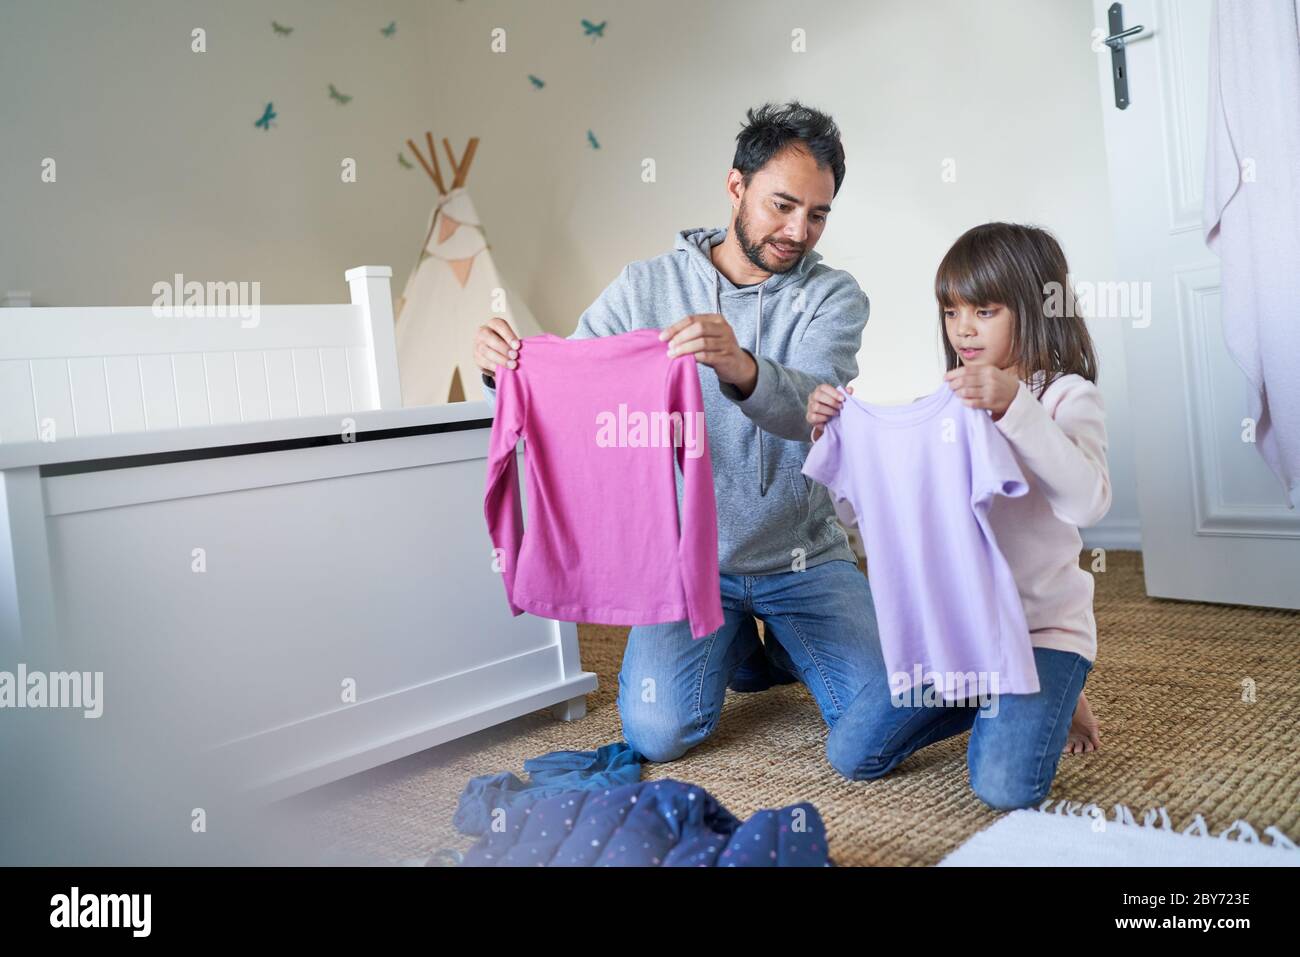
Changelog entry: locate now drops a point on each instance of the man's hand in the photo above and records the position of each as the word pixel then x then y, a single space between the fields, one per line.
pixel 713 342
pixel 824 403
pixel 984 387
pixel 495 344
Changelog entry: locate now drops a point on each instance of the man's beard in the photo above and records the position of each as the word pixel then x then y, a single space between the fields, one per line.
pixel 754 250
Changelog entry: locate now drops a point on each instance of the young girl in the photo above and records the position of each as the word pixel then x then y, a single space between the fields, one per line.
pixel 1017 348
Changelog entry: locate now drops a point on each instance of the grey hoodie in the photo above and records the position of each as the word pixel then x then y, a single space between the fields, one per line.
pixel 803 327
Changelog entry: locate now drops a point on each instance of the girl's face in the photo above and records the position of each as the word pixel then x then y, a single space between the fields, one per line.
pixel 980 335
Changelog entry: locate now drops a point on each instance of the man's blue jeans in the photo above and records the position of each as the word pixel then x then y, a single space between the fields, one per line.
pixel 1015 743
pixel 671 685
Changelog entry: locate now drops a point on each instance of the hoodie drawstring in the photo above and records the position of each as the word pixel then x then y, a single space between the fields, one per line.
pixel 758 342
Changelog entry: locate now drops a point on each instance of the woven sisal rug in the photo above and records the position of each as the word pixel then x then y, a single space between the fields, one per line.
pixel 1168 689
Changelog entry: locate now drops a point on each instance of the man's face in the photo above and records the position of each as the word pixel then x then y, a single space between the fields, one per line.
pixel 780 215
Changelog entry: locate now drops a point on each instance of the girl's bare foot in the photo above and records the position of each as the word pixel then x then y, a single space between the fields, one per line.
pixel 1085 733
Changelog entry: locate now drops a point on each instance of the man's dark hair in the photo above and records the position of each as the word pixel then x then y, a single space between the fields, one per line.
pixel 771 128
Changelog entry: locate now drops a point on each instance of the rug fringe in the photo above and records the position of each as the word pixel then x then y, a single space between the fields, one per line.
pixel 1157 818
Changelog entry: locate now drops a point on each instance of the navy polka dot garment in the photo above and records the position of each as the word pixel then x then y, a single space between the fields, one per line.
pixel 648 824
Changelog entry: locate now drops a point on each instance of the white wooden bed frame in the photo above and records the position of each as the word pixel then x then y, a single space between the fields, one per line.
pixel 239 524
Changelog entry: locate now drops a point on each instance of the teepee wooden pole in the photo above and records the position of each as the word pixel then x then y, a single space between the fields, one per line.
pixel 451 158
pixel 433 156
pixel 433 174
pixel 462 173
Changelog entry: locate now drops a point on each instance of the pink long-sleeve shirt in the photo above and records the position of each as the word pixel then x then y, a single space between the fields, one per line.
pixel 1060 443
pixel 604 423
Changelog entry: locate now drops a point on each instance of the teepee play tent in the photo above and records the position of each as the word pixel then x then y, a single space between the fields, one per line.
pixel 453 289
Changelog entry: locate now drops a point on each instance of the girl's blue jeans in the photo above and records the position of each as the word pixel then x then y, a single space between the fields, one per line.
pixel 671 686
pixel 1015 742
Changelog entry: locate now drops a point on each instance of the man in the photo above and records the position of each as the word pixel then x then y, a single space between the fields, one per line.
pixel 782 556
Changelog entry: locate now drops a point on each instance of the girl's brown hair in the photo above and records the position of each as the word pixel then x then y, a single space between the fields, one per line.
pixel 1024 269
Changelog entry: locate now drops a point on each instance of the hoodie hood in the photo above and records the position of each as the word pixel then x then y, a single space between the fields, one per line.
pixel 698 243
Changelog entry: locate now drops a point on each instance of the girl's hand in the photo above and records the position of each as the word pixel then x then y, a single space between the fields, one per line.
pixel 984 387
pixel 824 403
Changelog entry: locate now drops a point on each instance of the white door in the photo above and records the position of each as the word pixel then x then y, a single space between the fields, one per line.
pixel 1216 525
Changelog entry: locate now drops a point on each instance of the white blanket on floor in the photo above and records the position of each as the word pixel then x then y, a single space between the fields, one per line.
pixel 1083 836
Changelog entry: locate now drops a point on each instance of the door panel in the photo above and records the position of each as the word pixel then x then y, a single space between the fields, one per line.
pixel 1216 524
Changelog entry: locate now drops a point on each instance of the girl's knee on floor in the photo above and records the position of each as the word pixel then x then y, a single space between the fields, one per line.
pixel 1003 789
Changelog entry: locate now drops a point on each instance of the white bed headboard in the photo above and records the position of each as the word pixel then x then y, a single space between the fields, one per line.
pixel 67 372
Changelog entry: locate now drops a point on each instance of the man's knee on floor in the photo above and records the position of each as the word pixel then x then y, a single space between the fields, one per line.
pixel 656 747
pixel 658 739
pixel 846 757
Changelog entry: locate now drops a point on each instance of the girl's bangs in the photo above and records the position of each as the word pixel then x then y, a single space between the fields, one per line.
pixel 964 278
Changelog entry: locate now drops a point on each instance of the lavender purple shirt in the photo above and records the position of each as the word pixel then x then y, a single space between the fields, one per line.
pixel 921 479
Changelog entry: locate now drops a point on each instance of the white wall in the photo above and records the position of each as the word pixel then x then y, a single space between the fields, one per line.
pixel 160 170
